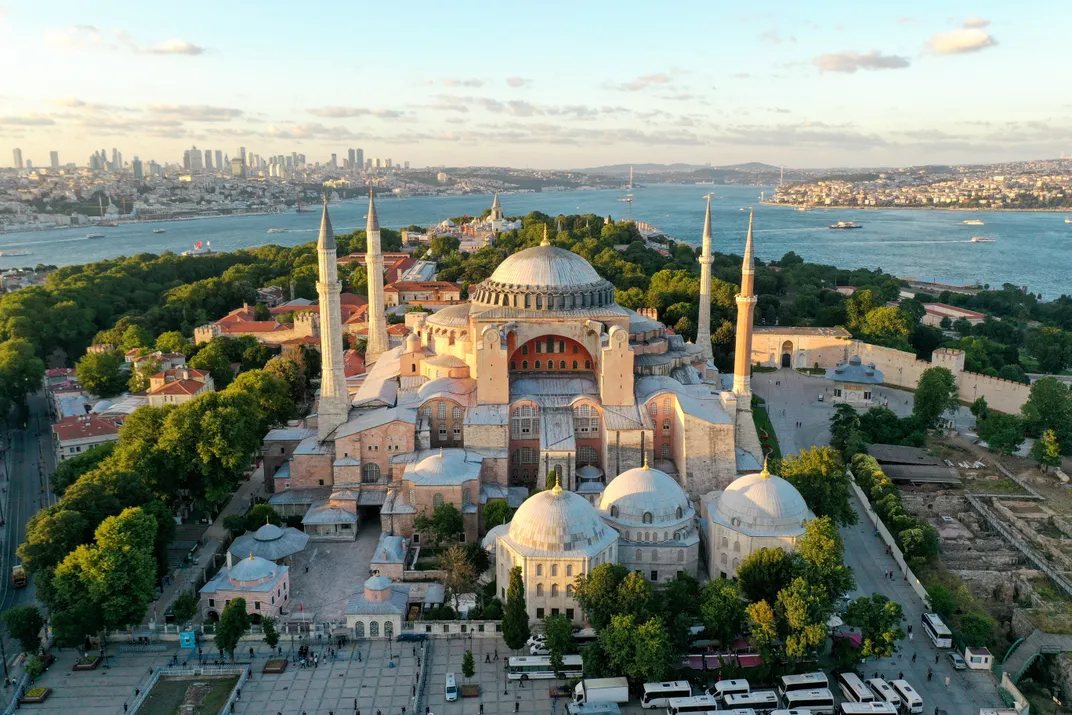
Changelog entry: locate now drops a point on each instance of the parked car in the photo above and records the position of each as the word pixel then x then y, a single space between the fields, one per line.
pixel 539 649
pixel 958 662
pixel 536 639
pixel 820 397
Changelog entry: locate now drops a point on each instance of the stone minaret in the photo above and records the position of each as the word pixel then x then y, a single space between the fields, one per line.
pixel 334 400
pixel 746 308
pixel 377 321
pixel 703 331
pixel 496 214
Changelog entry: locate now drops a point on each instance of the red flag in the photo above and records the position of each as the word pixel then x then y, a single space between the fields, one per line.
pixel 301 606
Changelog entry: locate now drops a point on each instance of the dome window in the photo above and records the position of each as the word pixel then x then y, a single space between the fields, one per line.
pixel 680 513
pixel 736 521
pixel 614 512
pixel 648 519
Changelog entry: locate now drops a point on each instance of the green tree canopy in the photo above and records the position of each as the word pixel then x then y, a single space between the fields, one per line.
pixel 496 512
pixel 271 635
pixel 820 477
pixel 234 623
pixel 21 372
pixel 69 470
pixel 1002 433
pixel 879 621
pixel 101 373
pixel 1047 450
pixel 936 392
pixel 24 623
pixel 214 358
pixel 723 609
pixel 445 523
pixel 764 573
pixel 597 593
pixel 515 623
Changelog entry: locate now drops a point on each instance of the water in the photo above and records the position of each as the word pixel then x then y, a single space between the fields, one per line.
pixel 1032 249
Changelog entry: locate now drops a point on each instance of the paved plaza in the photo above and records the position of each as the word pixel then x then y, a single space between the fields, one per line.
pixel 327 574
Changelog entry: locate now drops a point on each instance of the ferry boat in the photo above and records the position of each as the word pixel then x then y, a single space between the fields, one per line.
pixel 1068 220
pixel 159 230
pixel 843 225
pixel 94 235
pixel 972 222
pixel 200 249
pixel 277 230
pixel 15 252
pixel 983 239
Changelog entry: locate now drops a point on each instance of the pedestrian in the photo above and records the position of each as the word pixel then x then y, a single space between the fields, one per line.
pixel 137 692
pixel 909 627
pixel 900 675
pixel 355 703
pixel 910 635
pixel 487 657
pixel 936 659
pixel 418 661
pixel 251 652
pixel 913 657
pixel 496 655
pixel 414 691
pixel 358 656
pixel 481 708
pixel 125 707
pixel 517 706
pixel 414 650
pixel 947 681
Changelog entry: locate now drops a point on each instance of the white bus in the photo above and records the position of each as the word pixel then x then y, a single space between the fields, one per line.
pixel 853 688
pixel 867 709
pixel 818 701
pixel 762 701
pixel 805 681
pixel 695 704
pixel 911 702
pixel 738 686
pixel 884 693
pixel 939 632
pixel 537 667
pixel 656 695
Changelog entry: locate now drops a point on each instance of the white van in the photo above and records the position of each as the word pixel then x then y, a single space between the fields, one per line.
pixel 452 688
pixel 738 686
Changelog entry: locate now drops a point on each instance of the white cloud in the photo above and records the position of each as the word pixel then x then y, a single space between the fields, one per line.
pixel 518 82
pixel 965 39
pixel 849 62
pixel 176 47
pixel 976 23
pixel 338 112
pixel 26 120
pixel 196 112
pixel 88 37
pixel 645 81
pixel 461 82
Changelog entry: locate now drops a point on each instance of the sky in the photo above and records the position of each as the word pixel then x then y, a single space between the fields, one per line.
pixel 540 84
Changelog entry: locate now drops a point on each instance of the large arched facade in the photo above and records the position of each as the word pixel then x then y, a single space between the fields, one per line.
pixel 445 420
pixel 551 353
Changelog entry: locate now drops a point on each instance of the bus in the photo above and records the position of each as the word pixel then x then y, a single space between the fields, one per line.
pixel 762 701
pixel 805 681
pixel 538 667
pixel 867 709
pixel 884 693
pixel 695 704
pixel 853 688
pixel 738 686
pixel 939 633
pixel 911 702
pixel 656 695
pixel 817 700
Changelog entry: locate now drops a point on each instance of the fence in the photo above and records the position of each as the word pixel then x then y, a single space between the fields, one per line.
pixel 422 676
pixel 14 704
pixel 198 672
pixel 454 629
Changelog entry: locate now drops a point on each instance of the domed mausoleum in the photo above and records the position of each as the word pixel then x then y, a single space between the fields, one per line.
pixel 756 511
pixel 555 536
pixel 656 523
pixel 264 585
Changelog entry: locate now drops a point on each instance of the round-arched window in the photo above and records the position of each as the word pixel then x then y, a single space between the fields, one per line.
pixel 648 517
pixel 680 512
pixel 614 511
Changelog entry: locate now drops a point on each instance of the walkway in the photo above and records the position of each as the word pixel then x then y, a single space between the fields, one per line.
pixel 1036 644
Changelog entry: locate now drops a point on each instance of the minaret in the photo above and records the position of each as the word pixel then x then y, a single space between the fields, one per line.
pixel 377 321
pixel 746 308
pixel 496 214
pixel 334 400
pixel 703 331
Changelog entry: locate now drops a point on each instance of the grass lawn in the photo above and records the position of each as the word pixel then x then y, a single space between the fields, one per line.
pixel 168 695
pixel 763 424
pixel 812 370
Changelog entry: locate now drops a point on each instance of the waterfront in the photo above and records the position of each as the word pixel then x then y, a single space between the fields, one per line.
pixel 1031 249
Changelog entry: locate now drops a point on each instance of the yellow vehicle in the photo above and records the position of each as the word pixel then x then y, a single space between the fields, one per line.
pixel 18 576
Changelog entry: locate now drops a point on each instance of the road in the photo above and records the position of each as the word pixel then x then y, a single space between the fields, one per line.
pixel 24 492
pixel 797 394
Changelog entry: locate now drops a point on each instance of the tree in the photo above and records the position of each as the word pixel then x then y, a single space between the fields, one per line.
pixel 977 629
pixel 51 534
pixel 291 373
pixel 458 573
pixel 1046 450
pixel 173 341
pixel 803 607
pixel 24 623
pixel 723 610
pixel 913 309
pixel 444 525
pixel 764 573
pixel 478 558
pixel 234 623
pixel 764 625
pixel 214 358
pixel 515 623
pixel 69 470
pixel 260 515
pixel 185 607
pixel 271 635
pixel 496 513
pixel 1052 347
pixel 1002 433
pixel 979 408
pixel 135 337
pixel 820 477
pixel 821 555
pixel 270 394
pixel 597 593
pixel 844 423
pixel 886 326
pixel 1049 406
pixel 21 372
pixel 936 392
pixel 655 657
pixel 878 619
pixel 101 374
pixel 141 372
pixel 559 632
pixel 941 600
pixel 441 246
pixel 468 666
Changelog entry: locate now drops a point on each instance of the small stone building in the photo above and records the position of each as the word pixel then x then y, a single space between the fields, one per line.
pixel 854 382
pixel 378 611
pixel 264 585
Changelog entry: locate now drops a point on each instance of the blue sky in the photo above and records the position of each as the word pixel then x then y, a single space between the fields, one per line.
pixel 548 84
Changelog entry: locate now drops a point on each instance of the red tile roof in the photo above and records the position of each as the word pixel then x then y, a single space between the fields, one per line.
pixel 178 387
pixel 84 427
pixel 253 326
pixel 422 285
pixel 353 363
pixel 61 372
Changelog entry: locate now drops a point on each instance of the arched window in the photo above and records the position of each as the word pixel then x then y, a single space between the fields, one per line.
pixel 441 410
pixel 736 547
pixel 569 570
pixel 539 589
pixel 725 542
pixel 525 422
pixel 647 517
pixel 614 511
pixel 525 349
pixel 569 590
pixel 680 512
pixel 513 365
pixel 437 500
pixel 666 451
pixel 359 629
pixel 681 556
pixel 537 364
pixel 373 629
pixel 666 424
pixel 466 497
pixel 456 413
pixel 639 555
pixel 736 563
pixel 539 569
pixel 554 589
pixel 654 555
pixel 666 404
pixel 370 472
pixel 413 497
pixel 585 421
pixel 587 364
pixel 587 455
pixel 561 364
pixel 388 629
pixel 554 569
pixel 723 559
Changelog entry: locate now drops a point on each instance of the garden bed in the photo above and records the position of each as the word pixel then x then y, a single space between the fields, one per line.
pixel 87 663
pixel 471 691
pixel 35 695
pixel 275 666
pixel 561 691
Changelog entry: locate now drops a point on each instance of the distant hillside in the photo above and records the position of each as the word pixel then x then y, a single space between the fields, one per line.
pixel 623 169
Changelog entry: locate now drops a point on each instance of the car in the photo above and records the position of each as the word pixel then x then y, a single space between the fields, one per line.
pixel 958 662
pixel 820 398
pixel 536 639
pixel 539 649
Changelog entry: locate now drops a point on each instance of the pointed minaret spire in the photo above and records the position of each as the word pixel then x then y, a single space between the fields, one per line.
pixel 703 330
pixel 377 342
pixel 746 308
pixel 545 241
pixel 496 216
pixel 334 406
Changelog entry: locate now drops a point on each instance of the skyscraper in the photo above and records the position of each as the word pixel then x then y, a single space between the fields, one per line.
pixel 137 168
pixel 18 158
pixel 334 161
pixel 359 159
pixel 377 320
pixel 351 158
pixel 242 154
pixel 703 331
pixel 746 308
pixel 208 160
pixel 54 158
pixel 238 169
pixel 219 161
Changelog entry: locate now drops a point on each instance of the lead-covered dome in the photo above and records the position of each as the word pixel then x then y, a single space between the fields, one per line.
pixel 645 496
pixel 251 571
pixel 762 504
pixel 556 522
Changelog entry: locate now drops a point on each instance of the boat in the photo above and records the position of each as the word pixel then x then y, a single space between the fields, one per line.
pixel 983 239
pixel 843 225
pixel 94 235
pixel 15 252
pixel 300 210
pixel 802 208
pixel 627 200
pixel 1068 220
pixel 200 249
pixel 159 230
pixel 277 230
pixel 972 222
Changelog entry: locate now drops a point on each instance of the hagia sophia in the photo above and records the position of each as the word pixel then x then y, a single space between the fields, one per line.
pixel 657 463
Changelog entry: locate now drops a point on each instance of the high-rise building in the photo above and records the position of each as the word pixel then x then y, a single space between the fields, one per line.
pixel 29 165
pixel 377 163
pixel 387 162
pixel 154 168
pixel 350 158
pixel 238 168
pixel 54 159
pixel 407 164
pixel 242 154
pixel 219 160
pixel 196 163
pixel 136 167
pixel 18 158
pixel 208 160
pixel 334 162
pixel 116 166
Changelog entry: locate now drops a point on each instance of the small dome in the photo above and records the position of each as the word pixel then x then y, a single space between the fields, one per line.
pixel 762 504
pixel 545 267
pixel 377 583
pixel 251 570
pixel 559 521
pixel 268 532
pixel 645 496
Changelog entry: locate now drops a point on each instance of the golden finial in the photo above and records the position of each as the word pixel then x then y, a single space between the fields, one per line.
pixel 646 459
pixel 545 241
pixel 251 556
pixel 556 489
pixel 765 474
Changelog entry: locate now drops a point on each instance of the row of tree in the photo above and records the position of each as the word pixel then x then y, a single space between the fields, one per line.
pixel 1046 415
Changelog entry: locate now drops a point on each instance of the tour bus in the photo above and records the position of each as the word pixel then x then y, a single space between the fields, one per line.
pixel 911 702
pixel 738 686
pixel 883 692
pixel 853 688
pixel 656 695
pixel 939 633
pixel 805 681
pixel 452 688
pixel 694 704
pixel 817 700
pixel 867 709
pixel 762 701
pixel 536 667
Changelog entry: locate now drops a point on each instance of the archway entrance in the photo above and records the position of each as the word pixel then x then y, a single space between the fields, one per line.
pixel 787 354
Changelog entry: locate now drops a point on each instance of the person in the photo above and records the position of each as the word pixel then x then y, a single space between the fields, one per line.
pixel 909 627
pixel 355 703
pixel 910 635
pixel 487 657
pixel 251 652
pixel 496 655
pixel 913 657
pixel 936 659
pixel 517 706
pixel 930 674
pixel 947 681
pixel 900 675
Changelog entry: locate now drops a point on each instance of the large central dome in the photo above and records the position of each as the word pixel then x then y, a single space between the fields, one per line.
pixel 558 522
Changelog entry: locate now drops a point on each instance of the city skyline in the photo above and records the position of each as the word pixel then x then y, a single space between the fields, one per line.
pixel 493 85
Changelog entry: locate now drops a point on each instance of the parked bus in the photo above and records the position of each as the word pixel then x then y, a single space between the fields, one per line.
pixel 938 631
pixel 911 702
pixel 867 709
pixel 818 700
pixel 853 688
pixel 884 693
pixel 536 667
pixel 656 695
pixel 762 701
pixel 738 686
pixel 694 704
pixel 805 681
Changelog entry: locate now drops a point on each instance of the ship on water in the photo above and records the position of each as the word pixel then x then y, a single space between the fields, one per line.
pixel 972 222
pixel 983 239
pixel 93 236
pixel 844 225
pixel 159 230
pixel 200 249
